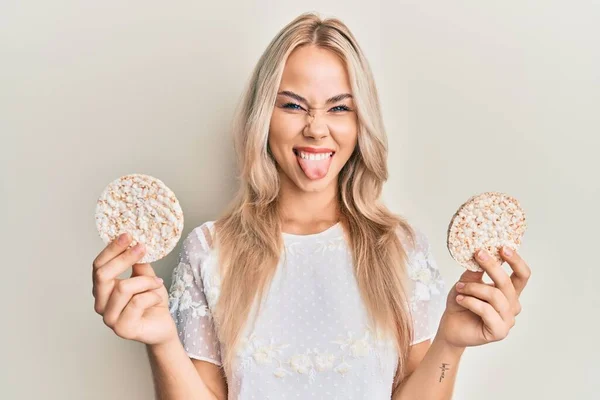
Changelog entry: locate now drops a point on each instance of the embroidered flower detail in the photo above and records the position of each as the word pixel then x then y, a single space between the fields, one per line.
pixel 188 276
pixel 212 295
pixel 423 275
pixel 342 368
pixel 212 280
pixel 330 245
pixel 324 362
pixel 423 271
pixel 281 372
pixel 246 346
pixel 177 289
pixel 301 363
pixel 254 352
pixel 185 301
pixel 358 347
pixel 180 296
pixel 294 249
pixel 262 355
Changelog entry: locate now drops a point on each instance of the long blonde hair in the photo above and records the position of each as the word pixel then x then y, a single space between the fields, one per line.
pixel 249 232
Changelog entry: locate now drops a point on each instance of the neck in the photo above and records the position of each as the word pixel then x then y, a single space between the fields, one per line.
pixel 308 209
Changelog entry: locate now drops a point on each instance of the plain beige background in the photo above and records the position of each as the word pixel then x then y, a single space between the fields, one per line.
pixel 477 96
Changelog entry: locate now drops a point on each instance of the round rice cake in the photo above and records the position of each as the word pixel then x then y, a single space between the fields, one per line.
pixel 144 207
pixel 486 221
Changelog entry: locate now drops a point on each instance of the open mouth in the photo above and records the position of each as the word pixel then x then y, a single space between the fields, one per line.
pixel 313 156
pixel 314 164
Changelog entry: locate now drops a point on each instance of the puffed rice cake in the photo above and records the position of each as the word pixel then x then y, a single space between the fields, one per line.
pixel 489 220
pixel 144 207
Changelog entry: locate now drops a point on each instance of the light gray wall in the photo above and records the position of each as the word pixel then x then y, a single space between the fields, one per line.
pixel 477 96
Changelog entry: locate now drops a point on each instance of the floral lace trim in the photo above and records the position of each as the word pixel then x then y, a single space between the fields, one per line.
pixel 211 279
pixel 180 295
pixel 322 247
pixel 425 274
pixel 254 351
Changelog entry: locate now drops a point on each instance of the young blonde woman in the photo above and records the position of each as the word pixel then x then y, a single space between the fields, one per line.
pixel 307 287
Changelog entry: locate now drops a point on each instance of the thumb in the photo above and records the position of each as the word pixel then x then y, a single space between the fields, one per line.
pixel 144 269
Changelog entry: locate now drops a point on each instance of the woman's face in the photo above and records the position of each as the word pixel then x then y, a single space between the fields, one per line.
pixel 314 126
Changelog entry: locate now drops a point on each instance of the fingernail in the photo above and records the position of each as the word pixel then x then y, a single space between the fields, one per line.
pixel 460 297
pixel 507 251
pixel 159 280
pixel 138 248
pixel 460 285
pixel 481 255
pixel 122 238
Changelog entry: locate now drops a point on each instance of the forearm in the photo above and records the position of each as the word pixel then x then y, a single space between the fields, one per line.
pixel 435 376
pixel 174 374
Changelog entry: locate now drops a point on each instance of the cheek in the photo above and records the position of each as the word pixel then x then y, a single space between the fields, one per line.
pixel 276 134
pixel 280 137
pixel 346 139
pixel 282 129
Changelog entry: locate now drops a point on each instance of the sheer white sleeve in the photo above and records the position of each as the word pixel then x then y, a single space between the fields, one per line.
pixel 428 297
pixel 187 300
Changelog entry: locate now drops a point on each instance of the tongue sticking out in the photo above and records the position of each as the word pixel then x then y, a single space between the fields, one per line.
pixel 314 169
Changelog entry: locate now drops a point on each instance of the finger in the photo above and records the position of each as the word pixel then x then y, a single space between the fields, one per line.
pixel 120 264
pixel 490 284
pixel 521 271
pixel 123 292
pixel 491 295
pixel 144 269
pixel 494 324
pixel 495 271
pixel 104 277
pixel 128 324
pixel 471 276
pixel 112 250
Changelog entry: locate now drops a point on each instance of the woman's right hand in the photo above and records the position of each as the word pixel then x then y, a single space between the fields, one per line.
pixel 136 308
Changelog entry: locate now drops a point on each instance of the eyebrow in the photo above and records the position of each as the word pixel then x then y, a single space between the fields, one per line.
pixel 301 99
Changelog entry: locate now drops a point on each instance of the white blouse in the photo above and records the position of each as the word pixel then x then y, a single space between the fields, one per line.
pixel 311 339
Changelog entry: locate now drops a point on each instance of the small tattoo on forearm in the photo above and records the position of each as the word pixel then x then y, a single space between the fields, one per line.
pixel 444 368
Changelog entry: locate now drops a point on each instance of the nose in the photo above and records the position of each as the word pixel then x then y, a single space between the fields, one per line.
pixel 316 128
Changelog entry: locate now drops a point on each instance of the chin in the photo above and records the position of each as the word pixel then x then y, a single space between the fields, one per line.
pixel 312 186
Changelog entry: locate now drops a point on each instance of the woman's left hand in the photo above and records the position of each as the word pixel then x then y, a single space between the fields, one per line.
pixel 478 313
